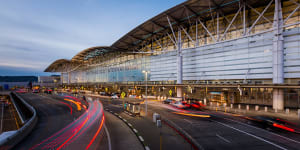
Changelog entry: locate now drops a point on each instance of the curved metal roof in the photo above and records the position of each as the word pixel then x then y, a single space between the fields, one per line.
pixel 91 53
pixel 181 14
pixel 56 64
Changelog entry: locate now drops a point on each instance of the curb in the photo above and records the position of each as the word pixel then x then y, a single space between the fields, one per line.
pixel 184 134
pixel 12 140
pixel 139 137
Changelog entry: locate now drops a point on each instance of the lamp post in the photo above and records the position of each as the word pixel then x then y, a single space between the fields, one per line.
pixel 146 73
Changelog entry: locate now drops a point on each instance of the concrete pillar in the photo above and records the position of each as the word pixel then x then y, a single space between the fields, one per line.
pixel 239 106
pixel 287 111
pixel 69 77
pixel 256 107
pixel 247 107
pixel 205 101
pixel 231 106
pixel 299 113
pixel 266 109
pixel 179 91
pixel 278 99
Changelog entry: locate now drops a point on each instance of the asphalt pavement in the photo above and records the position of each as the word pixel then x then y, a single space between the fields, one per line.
pixel 226 131
pixel 52 116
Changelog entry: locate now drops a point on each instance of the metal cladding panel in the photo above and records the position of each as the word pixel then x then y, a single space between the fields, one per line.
pixel 249 58
pixel 291 53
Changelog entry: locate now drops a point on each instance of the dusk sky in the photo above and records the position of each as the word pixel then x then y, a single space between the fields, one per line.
pixel 34 33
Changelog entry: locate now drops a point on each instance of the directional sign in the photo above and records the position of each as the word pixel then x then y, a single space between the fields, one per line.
pixel 170 92
pixel 123 94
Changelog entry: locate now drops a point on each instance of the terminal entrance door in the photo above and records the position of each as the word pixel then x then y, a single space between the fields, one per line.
pixel 217 97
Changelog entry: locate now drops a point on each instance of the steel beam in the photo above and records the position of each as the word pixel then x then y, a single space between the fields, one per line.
pixel 179 58
pixel 258 18
pixel 277 52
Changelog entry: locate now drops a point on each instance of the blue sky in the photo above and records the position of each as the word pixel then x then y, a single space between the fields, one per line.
pixel 34 33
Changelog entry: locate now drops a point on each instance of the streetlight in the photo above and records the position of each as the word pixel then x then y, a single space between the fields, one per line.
pixel 146 73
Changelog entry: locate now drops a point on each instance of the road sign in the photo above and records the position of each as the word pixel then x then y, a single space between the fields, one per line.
pixel 170 92
pixel 123 94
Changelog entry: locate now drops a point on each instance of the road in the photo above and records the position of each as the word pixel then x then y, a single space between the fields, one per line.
pixel 61 125
pixel 225 131
pixel 52 116
pixel 121 136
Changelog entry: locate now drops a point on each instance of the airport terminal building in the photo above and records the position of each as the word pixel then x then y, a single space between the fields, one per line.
pixel 220 51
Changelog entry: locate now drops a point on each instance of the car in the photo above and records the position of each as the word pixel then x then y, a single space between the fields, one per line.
pixel 178 104
pixel 168 101
pixel 273 123
pixel 115 97
pixel 21 91
pixel 197 105
pixel 185 103
pixel 35 91
pixel 48 91
pixel 102 93
pixel 132 96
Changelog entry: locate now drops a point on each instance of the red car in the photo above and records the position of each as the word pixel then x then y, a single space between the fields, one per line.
pixel 21 91
pixel 197 105
pixel 35 91
pixel 186 104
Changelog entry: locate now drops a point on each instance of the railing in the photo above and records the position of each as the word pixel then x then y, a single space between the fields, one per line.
pixel 28 116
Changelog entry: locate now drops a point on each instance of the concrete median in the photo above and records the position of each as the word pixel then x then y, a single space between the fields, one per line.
pixel 10 139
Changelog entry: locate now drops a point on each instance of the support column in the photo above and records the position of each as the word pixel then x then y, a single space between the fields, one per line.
pixel 278 99
pixel 61 78
pixel 69 78
pixel 179 91
pixel 277 53
pixel 179 63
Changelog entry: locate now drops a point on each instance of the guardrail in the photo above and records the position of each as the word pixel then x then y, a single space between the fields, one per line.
pixel 28 115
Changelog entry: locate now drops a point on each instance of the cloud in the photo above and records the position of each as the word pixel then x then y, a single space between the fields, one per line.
pixel 34 33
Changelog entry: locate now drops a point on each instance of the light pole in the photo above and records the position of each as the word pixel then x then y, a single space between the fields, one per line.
pixel 146 73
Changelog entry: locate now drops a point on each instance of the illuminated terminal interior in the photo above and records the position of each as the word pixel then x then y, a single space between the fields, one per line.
pixel 224 51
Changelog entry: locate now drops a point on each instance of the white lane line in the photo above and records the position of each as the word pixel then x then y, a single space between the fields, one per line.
pixel 125 120
pixel 115 113
pixel 147 148
pixel 108 137
pixel 219 136
pixel 259 138
pixel 129 124
pixel 188 121
pixel 264 130
pixel 111 111
pixel 120 116
pixel 135 130
pixel 141 138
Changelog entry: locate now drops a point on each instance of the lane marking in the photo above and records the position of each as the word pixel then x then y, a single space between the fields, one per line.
pixel 125 120
pixel 141 138
pixel 147 148
pixel 135 130
pixel 115 113
pixel 129 124
pixel 219 136
pixel 188 121
pixel 263 130
pixel 108 137
pixel 259 138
